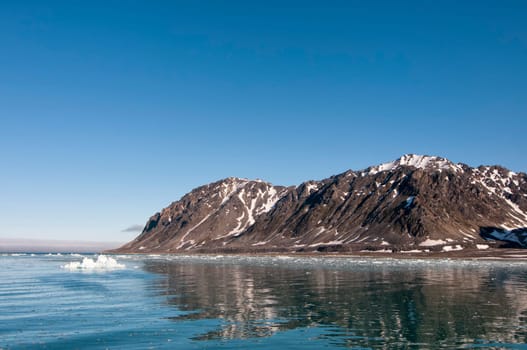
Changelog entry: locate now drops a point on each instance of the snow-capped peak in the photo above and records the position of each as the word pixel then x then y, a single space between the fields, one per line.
pixel 233 179
pixel 417 161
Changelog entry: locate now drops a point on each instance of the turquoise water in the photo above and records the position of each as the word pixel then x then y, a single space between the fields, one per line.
pixel 242 302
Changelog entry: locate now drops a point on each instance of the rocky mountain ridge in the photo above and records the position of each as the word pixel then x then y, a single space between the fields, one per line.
pixel 413 204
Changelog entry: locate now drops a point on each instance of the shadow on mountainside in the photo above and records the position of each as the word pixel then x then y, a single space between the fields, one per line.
pixel 516 238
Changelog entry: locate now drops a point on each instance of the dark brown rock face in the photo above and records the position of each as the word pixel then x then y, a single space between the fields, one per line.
pixel 417 203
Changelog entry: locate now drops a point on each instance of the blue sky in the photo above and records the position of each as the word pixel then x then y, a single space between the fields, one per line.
pixel 110 110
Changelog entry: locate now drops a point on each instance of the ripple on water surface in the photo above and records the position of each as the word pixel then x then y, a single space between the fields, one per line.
pixel 195 302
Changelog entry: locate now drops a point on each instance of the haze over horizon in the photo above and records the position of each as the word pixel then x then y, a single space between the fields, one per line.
pixel 111 110
pixel 19 245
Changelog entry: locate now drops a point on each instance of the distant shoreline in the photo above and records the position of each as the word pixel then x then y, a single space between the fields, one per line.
pixel 488 254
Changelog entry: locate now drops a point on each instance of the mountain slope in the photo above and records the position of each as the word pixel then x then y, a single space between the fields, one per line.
pixel 209 215
pixel 415 202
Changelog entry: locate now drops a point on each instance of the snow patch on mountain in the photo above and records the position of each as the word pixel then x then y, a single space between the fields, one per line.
pixel 431 242
pixel 417 161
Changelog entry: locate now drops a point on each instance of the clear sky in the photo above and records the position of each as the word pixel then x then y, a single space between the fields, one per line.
pixel 110 110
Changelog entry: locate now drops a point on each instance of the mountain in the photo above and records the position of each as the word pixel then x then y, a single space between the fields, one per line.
pixel 415 203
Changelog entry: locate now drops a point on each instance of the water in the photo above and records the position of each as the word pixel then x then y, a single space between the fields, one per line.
pixel 242 302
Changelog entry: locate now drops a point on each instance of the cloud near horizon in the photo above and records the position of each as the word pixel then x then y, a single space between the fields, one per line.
pixel 133 228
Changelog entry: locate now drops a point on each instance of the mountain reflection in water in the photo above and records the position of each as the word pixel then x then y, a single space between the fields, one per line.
pixel 367 305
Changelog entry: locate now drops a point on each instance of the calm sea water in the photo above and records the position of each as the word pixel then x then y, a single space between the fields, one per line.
pixel 242 302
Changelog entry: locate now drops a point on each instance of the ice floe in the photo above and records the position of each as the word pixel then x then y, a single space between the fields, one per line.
pixel 103 262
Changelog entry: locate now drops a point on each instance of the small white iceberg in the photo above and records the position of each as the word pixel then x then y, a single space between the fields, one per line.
pixel 103 262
